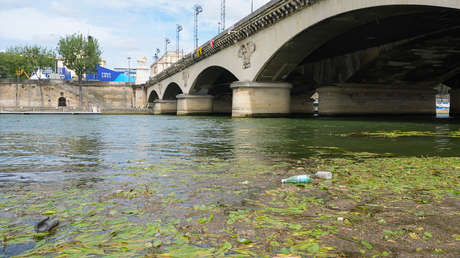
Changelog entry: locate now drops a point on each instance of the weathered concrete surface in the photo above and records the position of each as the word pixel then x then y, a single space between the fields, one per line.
pixel 375 99
pixel 251 99
pixel 29 95
pixel 301 104
pixel 222 105
pixel 165 107
pixel 194 104
pixel 106 97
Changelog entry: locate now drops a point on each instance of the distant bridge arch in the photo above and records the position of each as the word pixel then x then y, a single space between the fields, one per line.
pixel 171 91
pixel 153 95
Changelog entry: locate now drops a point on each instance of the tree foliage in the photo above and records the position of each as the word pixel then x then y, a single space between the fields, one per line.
pixel 80 53
pixel 27 58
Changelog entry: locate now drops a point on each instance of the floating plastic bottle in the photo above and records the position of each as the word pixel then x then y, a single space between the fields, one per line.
pixel 300 179
pixel 324 175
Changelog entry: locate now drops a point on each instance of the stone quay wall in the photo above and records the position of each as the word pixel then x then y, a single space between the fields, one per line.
pixel 105 96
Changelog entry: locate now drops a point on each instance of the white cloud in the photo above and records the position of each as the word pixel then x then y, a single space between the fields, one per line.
pixel 124 28
pixel 61 9
pixel 24 26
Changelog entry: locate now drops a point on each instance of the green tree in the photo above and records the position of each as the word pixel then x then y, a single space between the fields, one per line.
pixel 9 64
pixel 81 54
pixel 28 58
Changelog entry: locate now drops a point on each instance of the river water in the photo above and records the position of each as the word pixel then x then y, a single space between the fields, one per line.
pixel 107 177
pixel 46 147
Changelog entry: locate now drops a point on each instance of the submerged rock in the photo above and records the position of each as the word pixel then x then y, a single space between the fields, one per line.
pixel 46 224
pixel 341 204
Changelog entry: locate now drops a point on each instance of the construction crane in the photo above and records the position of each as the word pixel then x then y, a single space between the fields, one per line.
pixel 20 72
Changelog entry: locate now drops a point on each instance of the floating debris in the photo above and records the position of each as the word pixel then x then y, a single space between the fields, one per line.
pixel 324 175
pixel 300 179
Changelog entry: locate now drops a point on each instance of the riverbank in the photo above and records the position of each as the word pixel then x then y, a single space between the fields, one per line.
pixel 374 205
pixel 74 111
pixel 211 186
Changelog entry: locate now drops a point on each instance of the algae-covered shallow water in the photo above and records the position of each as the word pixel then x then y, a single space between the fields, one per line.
pixel 210 186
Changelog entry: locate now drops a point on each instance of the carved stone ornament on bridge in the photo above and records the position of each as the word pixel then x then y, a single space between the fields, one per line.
pixel 245 52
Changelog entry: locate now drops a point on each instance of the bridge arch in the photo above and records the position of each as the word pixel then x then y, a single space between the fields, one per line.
pixel 317 43
pixel 215 81
pixel 153 95
pixel 336 48
pixel 171 91
pixel 212 79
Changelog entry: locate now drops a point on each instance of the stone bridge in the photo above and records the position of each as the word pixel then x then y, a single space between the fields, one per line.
pixel 360 56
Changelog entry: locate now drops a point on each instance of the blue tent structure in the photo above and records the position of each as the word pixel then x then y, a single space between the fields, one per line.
pixel 64 74
pixel 107 75
pixel 124 78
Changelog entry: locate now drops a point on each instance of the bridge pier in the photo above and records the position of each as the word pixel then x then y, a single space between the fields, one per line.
pixel 302 104
pixel 222 105
pixel 260 99
pixel 164 107
pixel 194 104
pixel 376 100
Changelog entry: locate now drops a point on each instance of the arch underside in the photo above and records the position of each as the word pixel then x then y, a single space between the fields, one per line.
pixel 152 97
pixel 390 45
pixel 172 91
pixel 215 81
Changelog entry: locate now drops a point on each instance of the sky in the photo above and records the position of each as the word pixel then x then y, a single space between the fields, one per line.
pixel 124 28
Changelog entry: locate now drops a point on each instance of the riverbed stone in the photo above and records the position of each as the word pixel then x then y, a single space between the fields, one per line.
pixel 341 204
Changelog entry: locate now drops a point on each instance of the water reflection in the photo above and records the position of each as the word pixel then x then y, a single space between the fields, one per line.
pixel 214 139
pixel 442 141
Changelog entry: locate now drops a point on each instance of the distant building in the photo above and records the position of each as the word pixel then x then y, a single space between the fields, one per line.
pixel 142 71
pixel 165 61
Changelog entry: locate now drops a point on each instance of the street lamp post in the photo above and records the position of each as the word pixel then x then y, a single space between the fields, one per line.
pixel 252 6
pixel 198 9
pixel 178 30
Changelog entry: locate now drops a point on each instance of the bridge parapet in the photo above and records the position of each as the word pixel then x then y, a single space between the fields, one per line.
pixel 262 18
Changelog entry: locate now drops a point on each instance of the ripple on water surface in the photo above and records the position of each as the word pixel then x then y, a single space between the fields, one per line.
pixel 89 144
